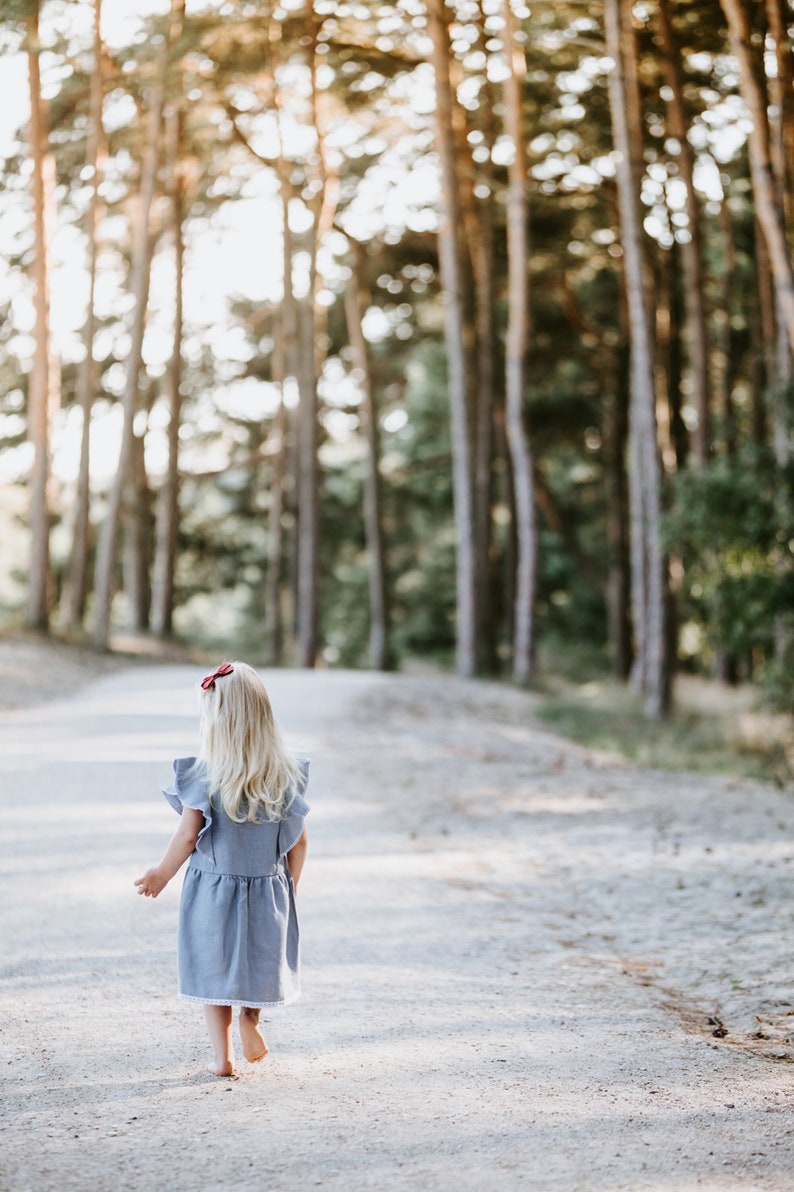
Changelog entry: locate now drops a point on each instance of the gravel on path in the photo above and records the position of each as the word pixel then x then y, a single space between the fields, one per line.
pixel 512 952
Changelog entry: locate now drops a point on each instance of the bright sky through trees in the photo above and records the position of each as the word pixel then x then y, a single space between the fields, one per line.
pixel 236 253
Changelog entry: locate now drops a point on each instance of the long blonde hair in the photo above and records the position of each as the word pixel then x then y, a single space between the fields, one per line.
pixel 247 762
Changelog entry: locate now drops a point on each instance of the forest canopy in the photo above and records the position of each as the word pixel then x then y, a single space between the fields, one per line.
pixel 349 333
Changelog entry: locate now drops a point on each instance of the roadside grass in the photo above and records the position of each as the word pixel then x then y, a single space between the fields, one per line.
pixel 712 729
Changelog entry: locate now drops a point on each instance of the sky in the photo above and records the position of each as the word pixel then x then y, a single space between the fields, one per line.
pixel 220 261
pixel 237 253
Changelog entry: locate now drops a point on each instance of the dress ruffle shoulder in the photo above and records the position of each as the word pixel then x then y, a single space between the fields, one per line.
pixel 189 789
pixel 291 827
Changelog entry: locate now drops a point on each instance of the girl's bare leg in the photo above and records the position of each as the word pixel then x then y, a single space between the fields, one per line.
pixel 219 1025
pixel 254 1046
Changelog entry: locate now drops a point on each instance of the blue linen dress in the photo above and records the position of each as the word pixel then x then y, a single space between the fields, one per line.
pixel 238 938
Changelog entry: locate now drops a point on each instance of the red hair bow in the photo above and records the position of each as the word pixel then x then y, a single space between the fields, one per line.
pixel 208 681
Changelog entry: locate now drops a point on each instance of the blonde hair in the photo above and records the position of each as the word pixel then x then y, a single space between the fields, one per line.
pixel 247 762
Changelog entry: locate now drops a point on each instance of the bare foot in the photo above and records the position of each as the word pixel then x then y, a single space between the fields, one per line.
pixel 254 1046
pixel 224 1069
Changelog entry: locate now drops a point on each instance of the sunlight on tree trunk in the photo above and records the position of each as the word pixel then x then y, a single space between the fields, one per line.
pixel 781 149
pixel 450 255
pixel 137 540
pixel 41 380
pixel 320 205
pixel 482 250
pixel 75 587
pixel 167 526
pixel 516 354
pixel 285 367
pixel 648 564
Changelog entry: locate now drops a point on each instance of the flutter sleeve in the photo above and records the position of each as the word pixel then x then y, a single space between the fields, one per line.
pixel 189 789
pixel 291 827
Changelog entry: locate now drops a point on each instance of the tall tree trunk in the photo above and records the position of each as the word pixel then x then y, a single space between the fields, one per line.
pixel 765 192
pixel 691 248
pixel 781 147
pixel 450 257
pixel 757 364
pixel 673 364
pixel 615 433
pixel 308 500
pixel 356 301
pixel 648 563
pixel 781 136
pixel 136 556
pixel 307 429
pixel 283 503
pixel 482 250
pixel 167 526
pixel 287 368
pixel 40 380
pixel 727 336
pixel 775 356
pixel 139 284
pixel 515 360
pixel 781 87
pixel 75 587
pixel 274 628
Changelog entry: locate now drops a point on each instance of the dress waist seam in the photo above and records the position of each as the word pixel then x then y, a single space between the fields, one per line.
pixel 279 871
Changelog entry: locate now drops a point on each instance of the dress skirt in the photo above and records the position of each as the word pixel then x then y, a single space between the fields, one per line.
pixel 238 939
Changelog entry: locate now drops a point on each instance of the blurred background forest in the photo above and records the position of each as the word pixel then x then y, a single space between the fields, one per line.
pixel 356 333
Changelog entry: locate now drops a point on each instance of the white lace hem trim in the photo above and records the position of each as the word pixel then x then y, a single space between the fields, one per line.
pixel 211 1001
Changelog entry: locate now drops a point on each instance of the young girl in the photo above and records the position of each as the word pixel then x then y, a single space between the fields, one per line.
pixel 242 827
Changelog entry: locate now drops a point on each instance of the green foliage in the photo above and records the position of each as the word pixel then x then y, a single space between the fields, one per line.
pixel 732 524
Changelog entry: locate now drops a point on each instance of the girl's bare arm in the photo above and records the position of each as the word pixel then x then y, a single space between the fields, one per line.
pixel 296 857
pixel 181 846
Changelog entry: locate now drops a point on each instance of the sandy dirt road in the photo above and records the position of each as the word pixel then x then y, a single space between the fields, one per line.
pixel 512 950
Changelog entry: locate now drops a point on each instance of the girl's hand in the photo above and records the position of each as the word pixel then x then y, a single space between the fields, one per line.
pixel 182 844
pixel 151 883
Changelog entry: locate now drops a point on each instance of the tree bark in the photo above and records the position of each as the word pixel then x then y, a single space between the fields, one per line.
pixel 776 356
pixel 615 428
pixel 482 251
pixel 781 86
pixel 691 248
pixel 781 145
pixel 515 361
pixel 308 507
pixel 727 336
pixel 40 380
pixel 137 538
pixel 274 628
pixel 285 367
pixel 673 362
pixel 648 564
pixel 355 304
pixel 308 480
pixel 167 525
pixel 454 324
pixel 139 284
pixel 767 201
pixel 75 587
